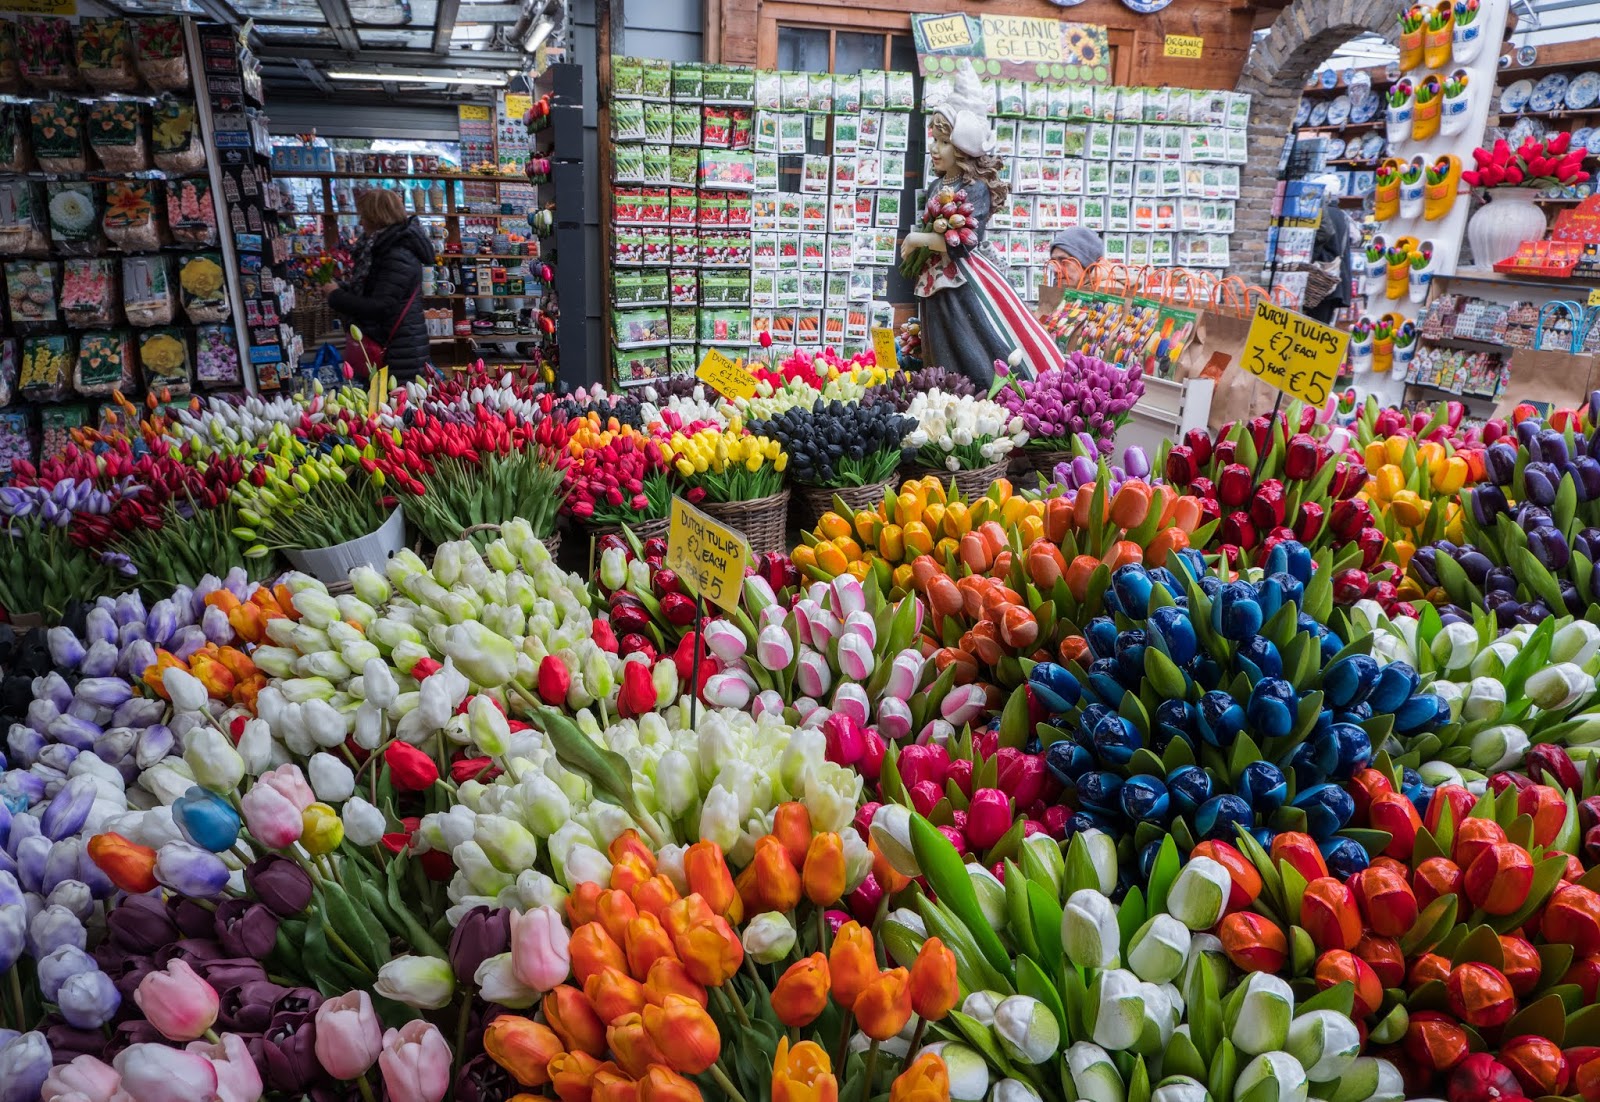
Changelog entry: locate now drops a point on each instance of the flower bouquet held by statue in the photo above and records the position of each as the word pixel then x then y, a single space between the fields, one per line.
pixel 949 213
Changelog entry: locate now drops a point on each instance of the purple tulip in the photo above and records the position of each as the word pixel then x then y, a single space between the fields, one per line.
pixel 99 626
pixel 52 928
pixel 1136 462
pixel 24 1064
pixel 140 925
pixel 75 732
pixel 281 884
pixel 155 743
pixel 246 928
pixel 60 965
pixel 61 866
pixel 186 641
pixel 132 633
pixel 105 692
pixel 13 935
pixel 140 711
pixel 1552 447
pixel 1549 547
pixel 54 688
pixel 69 810
pixel 130 607
pixel 247 1007
pixel 216 627
pixel 31 853
pixel 94 877
pixel 189 870
pixel 287 1056
pixel 162 622
pixel 24 743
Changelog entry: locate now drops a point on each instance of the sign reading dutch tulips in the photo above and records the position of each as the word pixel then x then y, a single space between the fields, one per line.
pixel 709 554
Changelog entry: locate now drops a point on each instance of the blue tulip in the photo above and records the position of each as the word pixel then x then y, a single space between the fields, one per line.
pixel 1054 686
pixel 1261 653
pixel 1131 583
pixel 1176 633
pixel 1272 709
pixel 1103 682
pixel 60 965
pixel 1217 817
pixel 1101 635
pixel 1262 785
pixel 1176 719
pixel 1144 798
pixel 89 1000
pixel 1330 647
pixel 1088 820
pixel 1097 790
pixel 1396 682
pixel 1208 674
pixel 1349 680
pixel 1147 859
pixel 1422 713
pixel 1115 740
pixel 1189 786
pixel 1211 585
pixel 1293 590
pixel 1236 613
pixel 1344 856
pixel 1355 750
pixel 1166 579
pixel 206 819
pixel 1328 808
pixel 1067 761
pixel 1191 561
pixel 1221 718
pixel 1131 646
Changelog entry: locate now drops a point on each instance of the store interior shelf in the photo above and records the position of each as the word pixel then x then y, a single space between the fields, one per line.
pixel 463 177
pixel 1483 275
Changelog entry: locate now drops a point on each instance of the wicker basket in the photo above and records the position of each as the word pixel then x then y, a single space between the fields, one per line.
pixel 764 521
pixel 645 529
pixel 816 500
pixel 972 484
pixel 1024 462
pixel 312 320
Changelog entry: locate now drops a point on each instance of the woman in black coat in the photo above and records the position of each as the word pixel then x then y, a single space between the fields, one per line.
pixel 384 294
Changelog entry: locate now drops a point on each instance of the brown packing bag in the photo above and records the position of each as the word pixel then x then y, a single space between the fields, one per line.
pixel 1222 328
pixel 1563 379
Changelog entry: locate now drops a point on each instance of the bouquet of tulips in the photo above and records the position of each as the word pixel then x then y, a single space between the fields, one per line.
pixel 310 500
pixel 1088 396
pixel 836 443
pixel 948 213
pixel 44 565
pixel 1554 162
pixel 730 465
pixel 962 433
pixel 618 475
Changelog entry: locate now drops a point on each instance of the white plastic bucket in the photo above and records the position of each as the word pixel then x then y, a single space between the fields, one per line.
pixel 333 564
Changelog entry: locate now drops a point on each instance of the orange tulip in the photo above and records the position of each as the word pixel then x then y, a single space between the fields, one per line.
pixel 934 990
pixel 823 870
pixel 711 952
pixel 572 1016
pixel 668 976
pixel 685 1034
pixel 628 842
pixel 614 910
pixel 852 964
pixel 662 1084
pixel 593 951
pixel 128 865
pixel 884 1006
pixel 1130 504
pixel 802 991
pixel 770 882
pixel 654 895
pixel 647 942
pixel 581 903
pixel 611 1084
pixel 926 1080
pixel 803 1073
pixel 523 1047
pixel 572 1075
pixel 1122 553
pixel 708 876
pixel 628 873
pixel 791 825
pixel 632 1045
pixel 613 993
pixel 1079 572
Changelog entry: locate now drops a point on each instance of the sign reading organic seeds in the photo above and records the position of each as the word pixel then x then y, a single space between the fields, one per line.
pixel 712 556
pixel 1183 45
pixel 41 7
pixel 1299 356
pixel 883 345
pixel 1015 47
pixel 727 377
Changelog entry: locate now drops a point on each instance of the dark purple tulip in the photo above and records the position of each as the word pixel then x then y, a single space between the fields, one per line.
pixel 1541 480
pixel 67 1043
pixel 1475 564
pixel 134 1031
pixel 1571 599
pixel 246 928
pixel 225 972
pixel 1553 447
pixel 1501 579
pixel 483 1080
pixel 1422 563
pixel 192 920
pixel 281 884
pixel 1501 462
pixel 1527 431
pixel 247 1007
pixel 197 951
pixel 1587 542
pixel 140 924
pixel 1505 607
pixel 1487 502
pixel 483 932
pixel 287 1057
pixel 1586 472
pixel 297 1000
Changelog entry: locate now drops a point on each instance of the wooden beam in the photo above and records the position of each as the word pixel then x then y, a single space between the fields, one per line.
pixel 444 25
pixel 337 13
pixel 313 74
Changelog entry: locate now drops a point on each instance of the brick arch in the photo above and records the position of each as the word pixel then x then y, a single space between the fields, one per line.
pixel 1302 38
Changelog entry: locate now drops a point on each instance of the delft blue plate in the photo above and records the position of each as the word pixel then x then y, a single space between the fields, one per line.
pixel 1364 105
pixel 1319 113
pixel 1515 96
pixel 1146 7
pixel 1549 93
pixel 1339 111
pixel 1372 147
pixel 1584 90
pixel 1334 149
pixel 1303 112
pixel 1582 137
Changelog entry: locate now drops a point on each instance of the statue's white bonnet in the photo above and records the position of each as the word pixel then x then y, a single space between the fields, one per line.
pixel 966 106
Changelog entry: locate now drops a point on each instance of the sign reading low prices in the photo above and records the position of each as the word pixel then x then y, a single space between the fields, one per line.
pixel 1294 353
pixel 711 555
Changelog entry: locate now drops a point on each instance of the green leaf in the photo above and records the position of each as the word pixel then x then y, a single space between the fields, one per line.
pixel 1081 872
pixel 1044 911
pixel 1435 921
pixel 1014 719
pixel 1139 1083
pixel 1480 946
pixel 1182 1058
pixel 981 1037
pixel 1224 1070
pixel 1164 872
pixel 1341 997
pixel 1017 909
pixel 1205 1012
pixel 947 875
pixel 1032 981
pixel 1546 1017
pixel 1130 916
pixel 1075 996
pixel 606 769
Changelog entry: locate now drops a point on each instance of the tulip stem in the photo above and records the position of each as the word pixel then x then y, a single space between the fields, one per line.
pixel 738 1010
pixel 871 1066
pixel 16 996
pixel 365 1088
pixel 844 1039
pixel 211 1035
pixel 725 1083
pixel 344 947
pixel 463 1021
pixel 916 1042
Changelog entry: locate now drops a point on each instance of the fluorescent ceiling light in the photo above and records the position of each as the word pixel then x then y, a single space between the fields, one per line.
pixel 541 31
pixel 415 78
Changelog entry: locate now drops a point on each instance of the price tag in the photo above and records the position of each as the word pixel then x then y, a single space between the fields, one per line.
pixel 1290 351
pixel 709 554
pixel 1594 297
pixel 1183 45
pixel 883 345
pixel 725 376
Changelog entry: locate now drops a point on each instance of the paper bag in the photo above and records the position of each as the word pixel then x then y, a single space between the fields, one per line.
pixel 1561 379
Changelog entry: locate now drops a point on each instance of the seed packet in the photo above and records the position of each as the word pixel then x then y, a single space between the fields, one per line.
pixel 89 292
pixel 22 219
pixel 794 91
pixel 116 135
pixel 57 132
pixel 900 92
pixel 741 128
pixel 104 363
pixel 627 120
pixel 190 213
pixel 685 129
pixel 10 75
pixel 46 371
pixel 204 291
pixel 175 136
pixel 683 167
pixel 45 53
pixel 655 79
pixel 846 93
pixel 105 55
pixel 15 153
pixel 627 78
pixel 158 53
pixel 147 292
pixel 131 222
pixel 164 359
pixel 8 382
pixel 31 291
pixel 895 133
pixel 75 207
pixel 216 357
pixel 687 82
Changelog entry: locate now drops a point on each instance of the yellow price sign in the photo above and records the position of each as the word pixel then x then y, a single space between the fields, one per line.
pixel 473 112
pixel 711 555
pixel 1296 354
pixel 1183 45
pixel 883 345
pixel 725 376
pixel 1594 297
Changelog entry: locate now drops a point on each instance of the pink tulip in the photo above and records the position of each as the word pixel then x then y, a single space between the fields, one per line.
pixel 988 817
pixel 862 624
pixel 349 1035
pixel 894 718
pixel 272 817
pixel 812 674
pixel 539 956
pixel 851 699
pixel 774 648
pixel 238 1079
pixel 804 612
pixel 415 1063
pixel 845 739
pixel 904 675
pixel 825 628
pixel 728 689
pixel 847 595
pixel 85 1077
pixel 724 640
pixel 177 1002
pixel 156 1073
pixel 291 784
pixel 856 660
pixel 963 704
pixel 769 702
